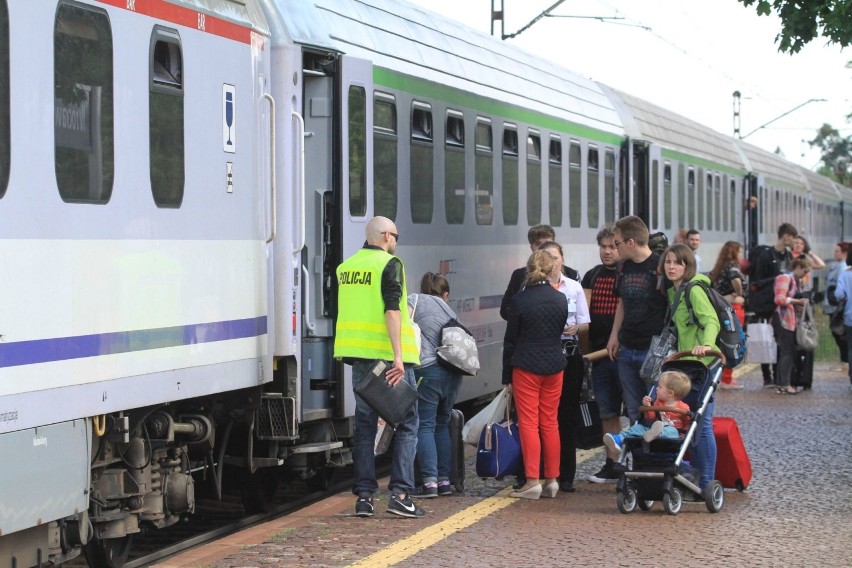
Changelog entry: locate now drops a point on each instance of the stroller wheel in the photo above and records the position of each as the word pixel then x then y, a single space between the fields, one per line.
pixel 714 496
pixel 646 504
pixel 626 500
pixel 672 501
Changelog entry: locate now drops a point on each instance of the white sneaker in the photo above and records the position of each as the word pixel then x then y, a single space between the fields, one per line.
pixel 653 432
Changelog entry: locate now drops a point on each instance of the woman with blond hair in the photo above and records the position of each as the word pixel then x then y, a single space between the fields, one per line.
pixel 533 364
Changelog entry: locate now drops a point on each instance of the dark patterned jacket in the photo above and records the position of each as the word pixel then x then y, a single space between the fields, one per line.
pixel 533 332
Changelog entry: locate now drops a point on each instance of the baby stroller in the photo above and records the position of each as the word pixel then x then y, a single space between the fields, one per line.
pixel 659 471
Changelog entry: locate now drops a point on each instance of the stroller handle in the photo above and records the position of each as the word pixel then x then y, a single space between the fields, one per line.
pixel 683 354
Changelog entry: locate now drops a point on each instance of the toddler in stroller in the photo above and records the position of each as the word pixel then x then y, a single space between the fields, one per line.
pixel 669 418
pixel 659 470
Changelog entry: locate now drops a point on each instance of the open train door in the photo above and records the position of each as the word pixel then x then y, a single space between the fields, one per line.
pixel 356 179
pixel 635 198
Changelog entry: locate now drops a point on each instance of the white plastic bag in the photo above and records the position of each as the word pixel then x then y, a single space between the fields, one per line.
pixel 494 412
pixel 760 344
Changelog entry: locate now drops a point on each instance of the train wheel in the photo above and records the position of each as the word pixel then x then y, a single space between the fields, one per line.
pixel 108 552
pixel 258 490
pixel 322 480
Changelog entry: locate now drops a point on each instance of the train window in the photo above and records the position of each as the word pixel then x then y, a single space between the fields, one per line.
pixel 575 172
pixel 681 196
pixel 385 150
pixel 732 205
pixel 510 174
pixel 717 192
pixel 454 184
pixel 455 129
pixel 5 156
pixel 484 165
pixel 165 104
pixel 83 109
pixel 667 194
pixel 422 156
pixel 653 198
pixel 592 188
pixel 708 203
pixel 609 186
pixel 701 199
pixel 554 181
pixel 724 196
pixel 693 197
pixel 357 151
pixel 533 177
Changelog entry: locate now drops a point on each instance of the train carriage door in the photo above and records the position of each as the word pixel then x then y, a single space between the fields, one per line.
pixel 638 193
pixel 356 177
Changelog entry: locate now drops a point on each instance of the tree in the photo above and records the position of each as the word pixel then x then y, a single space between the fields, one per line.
pixel 802 21
pixel 836 153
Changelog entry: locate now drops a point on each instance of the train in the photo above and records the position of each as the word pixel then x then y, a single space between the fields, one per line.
pixel 179 180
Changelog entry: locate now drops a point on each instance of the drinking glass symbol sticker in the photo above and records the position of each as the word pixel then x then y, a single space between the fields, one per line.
pixel 229 114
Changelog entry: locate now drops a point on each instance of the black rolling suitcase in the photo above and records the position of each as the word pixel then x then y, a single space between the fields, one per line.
pixel 589 426
pixel 456 450
pixel 803 370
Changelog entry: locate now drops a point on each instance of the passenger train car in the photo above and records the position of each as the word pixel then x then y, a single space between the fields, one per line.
pixel 180 178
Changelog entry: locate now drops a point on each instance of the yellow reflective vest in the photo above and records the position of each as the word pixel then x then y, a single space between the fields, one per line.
pixel 361 331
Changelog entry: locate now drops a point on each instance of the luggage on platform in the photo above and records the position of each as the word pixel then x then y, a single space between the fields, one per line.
pixel 803 370
pixel 456 450
pixel 589 425
pixel 733 468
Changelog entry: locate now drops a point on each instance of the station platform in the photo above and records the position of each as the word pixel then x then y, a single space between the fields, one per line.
pixel 796 512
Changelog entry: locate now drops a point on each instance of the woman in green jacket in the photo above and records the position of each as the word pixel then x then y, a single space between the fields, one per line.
pixel 678 265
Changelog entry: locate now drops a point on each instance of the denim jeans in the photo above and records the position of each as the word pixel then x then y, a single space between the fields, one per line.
pixel 704 450
pixel 633 388
pixel 404 441
pixel 607 387
pixel 638 430
pixel 436 396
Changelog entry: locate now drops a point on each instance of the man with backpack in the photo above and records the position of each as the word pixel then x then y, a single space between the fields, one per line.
pixel 767 262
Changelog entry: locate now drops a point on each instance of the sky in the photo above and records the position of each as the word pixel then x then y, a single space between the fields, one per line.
pixel 688 56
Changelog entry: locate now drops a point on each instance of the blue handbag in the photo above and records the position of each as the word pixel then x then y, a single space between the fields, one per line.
pixel 499 450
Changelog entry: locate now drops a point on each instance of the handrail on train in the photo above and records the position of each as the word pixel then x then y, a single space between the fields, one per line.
pixel 272 169
pixel 300 186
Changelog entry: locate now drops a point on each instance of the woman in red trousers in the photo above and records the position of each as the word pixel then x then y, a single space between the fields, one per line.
pixel 533 362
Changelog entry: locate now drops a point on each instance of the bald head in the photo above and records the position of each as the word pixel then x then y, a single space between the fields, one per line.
pixel 379 233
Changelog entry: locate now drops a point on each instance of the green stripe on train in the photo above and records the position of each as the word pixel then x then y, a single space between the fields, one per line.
pixel 485 105
pixel 704 163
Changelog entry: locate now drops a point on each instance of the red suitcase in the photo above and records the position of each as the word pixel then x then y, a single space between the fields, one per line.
pixel 733 468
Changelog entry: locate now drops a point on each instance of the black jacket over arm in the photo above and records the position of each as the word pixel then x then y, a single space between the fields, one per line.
pixel 534 331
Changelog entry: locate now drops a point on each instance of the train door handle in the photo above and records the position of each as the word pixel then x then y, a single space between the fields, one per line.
pixel 273 218
pixel 299 184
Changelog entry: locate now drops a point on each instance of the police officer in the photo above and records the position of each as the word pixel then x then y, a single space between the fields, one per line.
pixel 371 325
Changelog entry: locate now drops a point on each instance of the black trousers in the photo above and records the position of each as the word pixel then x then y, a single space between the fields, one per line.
pixel 568 415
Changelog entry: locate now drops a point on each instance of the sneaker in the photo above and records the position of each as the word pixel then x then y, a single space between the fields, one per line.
pixel 425 491
pixel 605 475
pixel 445 489
pixel 653 432
pixel 364 507
pixel 613 442
pixel 404 507
pixel 733 385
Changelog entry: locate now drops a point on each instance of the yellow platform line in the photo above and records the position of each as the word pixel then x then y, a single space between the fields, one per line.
pixel 408 547
pixel 421 540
